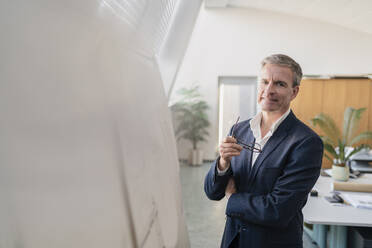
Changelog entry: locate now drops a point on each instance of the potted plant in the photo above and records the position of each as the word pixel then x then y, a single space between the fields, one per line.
pixel 340 146
pixel 192 120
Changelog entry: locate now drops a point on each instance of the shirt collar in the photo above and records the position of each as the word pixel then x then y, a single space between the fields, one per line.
pixel 256 121
pixel 280 120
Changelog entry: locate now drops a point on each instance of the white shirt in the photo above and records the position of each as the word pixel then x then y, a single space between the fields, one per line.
pixel 255 124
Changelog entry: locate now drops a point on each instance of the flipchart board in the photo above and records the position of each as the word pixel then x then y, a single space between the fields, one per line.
pixel 87 153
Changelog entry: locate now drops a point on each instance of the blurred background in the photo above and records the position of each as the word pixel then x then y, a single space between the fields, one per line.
pixel 112 110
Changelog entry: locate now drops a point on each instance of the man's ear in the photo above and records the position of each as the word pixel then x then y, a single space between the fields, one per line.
pixel 295 91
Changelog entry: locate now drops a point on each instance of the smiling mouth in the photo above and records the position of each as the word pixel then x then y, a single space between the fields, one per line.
pixel 270 100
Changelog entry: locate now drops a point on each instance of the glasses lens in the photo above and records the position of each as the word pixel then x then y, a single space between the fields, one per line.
pixel 256 147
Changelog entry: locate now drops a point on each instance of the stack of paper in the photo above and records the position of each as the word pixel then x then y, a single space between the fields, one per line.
pixel 358 200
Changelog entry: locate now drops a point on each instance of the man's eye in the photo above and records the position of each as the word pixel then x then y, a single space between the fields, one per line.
pixel 281 84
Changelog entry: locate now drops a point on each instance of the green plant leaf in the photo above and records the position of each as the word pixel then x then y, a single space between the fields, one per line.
pixel 325 139
pixel 328 126
pixel 341 151
pixel 329 148
pixel 356 149
pixel 333 138
pixel 348 113
pixel 328 157
pixel 362 136
pixel 351 122
pixel 191 115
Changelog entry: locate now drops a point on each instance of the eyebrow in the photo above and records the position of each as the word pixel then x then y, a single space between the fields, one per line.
pixel 275 81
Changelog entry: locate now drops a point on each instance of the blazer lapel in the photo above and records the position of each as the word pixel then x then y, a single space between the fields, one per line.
pixel 248 153
pixel 278 137
pixel 245 157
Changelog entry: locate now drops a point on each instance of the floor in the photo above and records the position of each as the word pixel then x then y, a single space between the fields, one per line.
pixel 205 218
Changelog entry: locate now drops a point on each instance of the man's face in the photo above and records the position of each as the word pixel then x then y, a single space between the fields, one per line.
pixel 275 90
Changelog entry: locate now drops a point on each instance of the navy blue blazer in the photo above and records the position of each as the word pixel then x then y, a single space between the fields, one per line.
pixel 267 209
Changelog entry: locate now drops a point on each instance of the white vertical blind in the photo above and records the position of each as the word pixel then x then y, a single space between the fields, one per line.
pixel 160 29
pixel 149 19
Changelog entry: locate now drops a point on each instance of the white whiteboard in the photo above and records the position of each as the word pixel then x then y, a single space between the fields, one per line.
pixel 87 153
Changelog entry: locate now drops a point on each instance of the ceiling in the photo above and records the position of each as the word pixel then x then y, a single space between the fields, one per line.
pixel 353 14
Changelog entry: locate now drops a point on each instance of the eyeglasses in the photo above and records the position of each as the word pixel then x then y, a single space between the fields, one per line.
pixel 254 147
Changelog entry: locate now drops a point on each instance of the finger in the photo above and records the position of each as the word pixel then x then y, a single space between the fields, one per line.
pixel 231 145
pixel 229 155
pixel 229 139
pixel 229 149
pixel 230 186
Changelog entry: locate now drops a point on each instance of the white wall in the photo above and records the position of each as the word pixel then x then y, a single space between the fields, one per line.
pixel 232 41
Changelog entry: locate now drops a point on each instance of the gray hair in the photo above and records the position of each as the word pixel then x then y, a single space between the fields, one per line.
pixel 286 61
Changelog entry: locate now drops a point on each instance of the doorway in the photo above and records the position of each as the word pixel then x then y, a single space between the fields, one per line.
pixel 237 97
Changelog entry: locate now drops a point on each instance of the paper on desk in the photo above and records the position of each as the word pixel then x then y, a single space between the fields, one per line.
pixel 358 200
pixel 328 172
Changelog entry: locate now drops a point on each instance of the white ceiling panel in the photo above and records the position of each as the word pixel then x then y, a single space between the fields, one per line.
pixel 354 14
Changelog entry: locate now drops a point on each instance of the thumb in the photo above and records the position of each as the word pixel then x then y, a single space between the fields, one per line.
pixel 231 182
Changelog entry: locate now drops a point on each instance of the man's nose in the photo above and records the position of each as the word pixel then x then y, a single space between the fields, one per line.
pixel 270 89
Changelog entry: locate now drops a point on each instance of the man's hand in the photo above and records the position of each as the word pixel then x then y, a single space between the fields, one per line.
pixel 230 188
pixel 228 149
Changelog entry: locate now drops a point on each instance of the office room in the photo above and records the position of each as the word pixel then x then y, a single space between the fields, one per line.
pixel 186 123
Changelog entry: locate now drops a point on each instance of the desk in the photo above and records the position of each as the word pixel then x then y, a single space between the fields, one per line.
pixel 319 212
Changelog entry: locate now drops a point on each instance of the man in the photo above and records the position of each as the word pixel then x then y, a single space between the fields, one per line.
pixel 267 189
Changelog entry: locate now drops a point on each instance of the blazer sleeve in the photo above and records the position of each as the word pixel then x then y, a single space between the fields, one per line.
pixel 290 191
pixel 214 184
